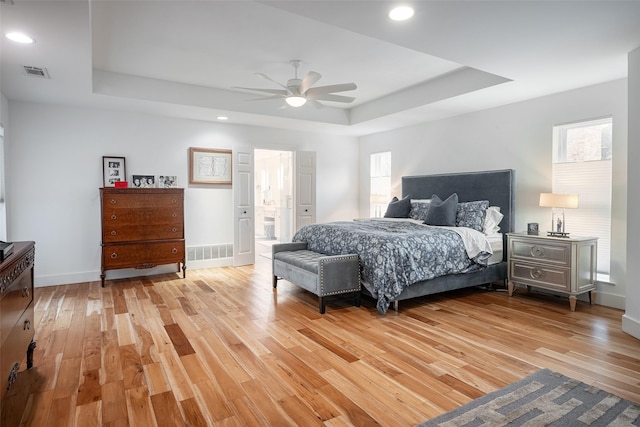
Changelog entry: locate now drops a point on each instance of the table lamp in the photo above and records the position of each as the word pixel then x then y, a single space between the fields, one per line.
pixel 555 200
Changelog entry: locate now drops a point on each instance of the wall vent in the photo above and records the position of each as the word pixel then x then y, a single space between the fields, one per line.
pixel 209 252
pixel 36 71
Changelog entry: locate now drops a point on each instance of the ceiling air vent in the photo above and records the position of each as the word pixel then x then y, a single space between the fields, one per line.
pixel 36 71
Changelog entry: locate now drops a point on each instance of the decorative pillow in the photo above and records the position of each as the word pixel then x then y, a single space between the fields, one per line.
pixel 398 208
pixel 491 220
pixel 419 209
pixel 442 212
pixel 471 214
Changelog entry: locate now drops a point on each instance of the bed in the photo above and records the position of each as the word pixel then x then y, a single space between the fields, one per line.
pixel 400 260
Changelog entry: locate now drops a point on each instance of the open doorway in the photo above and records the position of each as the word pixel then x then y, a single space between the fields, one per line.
pixel 273 181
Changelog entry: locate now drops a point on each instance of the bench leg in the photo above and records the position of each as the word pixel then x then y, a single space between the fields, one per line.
pixel 321 305
pixel 275 281
pixel 357 298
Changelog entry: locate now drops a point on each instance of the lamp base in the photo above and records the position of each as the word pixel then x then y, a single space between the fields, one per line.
pixel 557 234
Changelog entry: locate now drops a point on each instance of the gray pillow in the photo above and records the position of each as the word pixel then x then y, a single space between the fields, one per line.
pixel 398 208
pixel 471 214
pixel 442 212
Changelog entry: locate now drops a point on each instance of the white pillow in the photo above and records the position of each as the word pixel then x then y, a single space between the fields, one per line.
pixel 491 220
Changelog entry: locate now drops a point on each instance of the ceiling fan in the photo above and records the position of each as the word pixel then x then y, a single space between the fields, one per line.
pixel 297 91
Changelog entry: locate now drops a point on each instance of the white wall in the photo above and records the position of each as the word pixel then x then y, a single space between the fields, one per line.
pixel 54 170
pixel 4 119
pixel 519 137
pixel 631 318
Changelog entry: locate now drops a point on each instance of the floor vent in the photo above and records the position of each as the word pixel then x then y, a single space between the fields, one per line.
pixel 36 71
pixel 209 252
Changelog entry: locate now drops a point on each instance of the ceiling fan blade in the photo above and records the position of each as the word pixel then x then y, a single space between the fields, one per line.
pixel 266 98
pixel 331 88
pixel 264 76
pixel 309 80
pixel 271 91
pixel 330 97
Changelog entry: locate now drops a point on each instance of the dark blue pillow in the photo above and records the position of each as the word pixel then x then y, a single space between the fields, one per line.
pixel 442 212
pixel 398 208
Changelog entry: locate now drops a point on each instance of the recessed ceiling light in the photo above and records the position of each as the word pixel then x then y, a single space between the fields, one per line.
pixel 223 118
pixel 401 13
pixel 20 38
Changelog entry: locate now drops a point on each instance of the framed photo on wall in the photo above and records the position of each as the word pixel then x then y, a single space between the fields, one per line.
pixel 209 166
pixel 113 170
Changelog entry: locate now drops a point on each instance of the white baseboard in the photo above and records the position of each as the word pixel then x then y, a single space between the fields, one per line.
pixel 610 300
pixel 631 326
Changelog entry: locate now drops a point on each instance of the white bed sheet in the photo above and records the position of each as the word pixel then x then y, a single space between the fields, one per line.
pixel 495 241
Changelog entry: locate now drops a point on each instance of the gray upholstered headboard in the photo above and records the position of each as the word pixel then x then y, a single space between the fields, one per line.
pixel 498 187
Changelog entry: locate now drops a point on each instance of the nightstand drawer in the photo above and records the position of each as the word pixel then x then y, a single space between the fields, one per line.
pixel 543 276
pixel 544 252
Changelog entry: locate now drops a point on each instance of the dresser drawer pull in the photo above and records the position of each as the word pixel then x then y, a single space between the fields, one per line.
pixel 27 325
pixel 536 273
pixel 113 217
pixel 173 200
pixel 174 214
pixel 114 255
pixel 25 292
pixel 174 229
pixel 113 201
pixel 174 251
pixel 114 232
pixel 537 251
pixel 13 375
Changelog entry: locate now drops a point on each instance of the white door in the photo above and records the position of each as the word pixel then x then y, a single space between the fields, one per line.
pixel 243 215
pixel 305 188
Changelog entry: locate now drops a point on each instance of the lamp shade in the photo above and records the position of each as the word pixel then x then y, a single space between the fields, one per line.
pixel 555 200
pixel 296 101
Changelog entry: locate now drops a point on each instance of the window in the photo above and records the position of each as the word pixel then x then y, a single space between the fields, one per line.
pixel 380 185
pixel 582 155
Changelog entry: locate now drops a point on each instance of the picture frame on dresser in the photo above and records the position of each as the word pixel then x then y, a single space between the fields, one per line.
pixel 113 170
pixel 210 166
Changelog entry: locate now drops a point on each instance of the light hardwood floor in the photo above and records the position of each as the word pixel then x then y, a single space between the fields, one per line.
pixel 221 348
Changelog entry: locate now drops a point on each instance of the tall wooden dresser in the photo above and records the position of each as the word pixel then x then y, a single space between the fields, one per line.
pixel 142 228
pixel 16 320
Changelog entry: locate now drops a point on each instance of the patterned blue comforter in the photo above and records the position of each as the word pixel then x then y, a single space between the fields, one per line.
pixel 393 255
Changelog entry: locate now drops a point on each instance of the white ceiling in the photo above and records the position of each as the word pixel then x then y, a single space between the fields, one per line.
pixel 184 58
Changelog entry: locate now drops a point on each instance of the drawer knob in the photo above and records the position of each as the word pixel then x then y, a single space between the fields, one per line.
pixel 113 201
pixel 25 292
pixel 113 217
pixel 114 255
pixel 27 325
pixel 174 214
pixel 536 273
pixel 114 232
pixel 537 251
pixel 174 251
pixel 174 229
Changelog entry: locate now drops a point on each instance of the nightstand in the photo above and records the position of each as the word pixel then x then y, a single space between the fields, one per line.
pixel 565 265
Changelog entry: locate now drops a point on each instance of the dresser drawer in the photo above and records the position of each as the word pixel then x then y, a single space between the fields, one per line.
pixel 138 201
pixel 14 349
pixel 153 231
pixel 541 251
pixel 142 255
pixel 540 275
pixel 163 215
pixel 15 301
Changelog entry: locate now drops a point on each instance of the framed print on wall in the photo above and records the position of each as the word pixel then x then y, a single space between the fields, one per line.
pixel 209 166
pixel 113 170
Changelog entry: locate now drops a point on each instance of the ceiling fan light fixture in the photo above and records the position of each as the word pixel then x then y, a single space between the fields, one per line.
pixel 296 101
pixel 401 13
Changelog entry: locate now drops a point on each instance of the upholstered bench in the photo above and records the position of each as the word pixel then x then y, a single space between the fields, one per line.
pixel 322 275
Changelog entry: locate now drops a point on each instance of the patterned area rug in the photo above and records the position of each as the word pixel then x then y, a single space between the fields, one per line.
pixel 545 398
